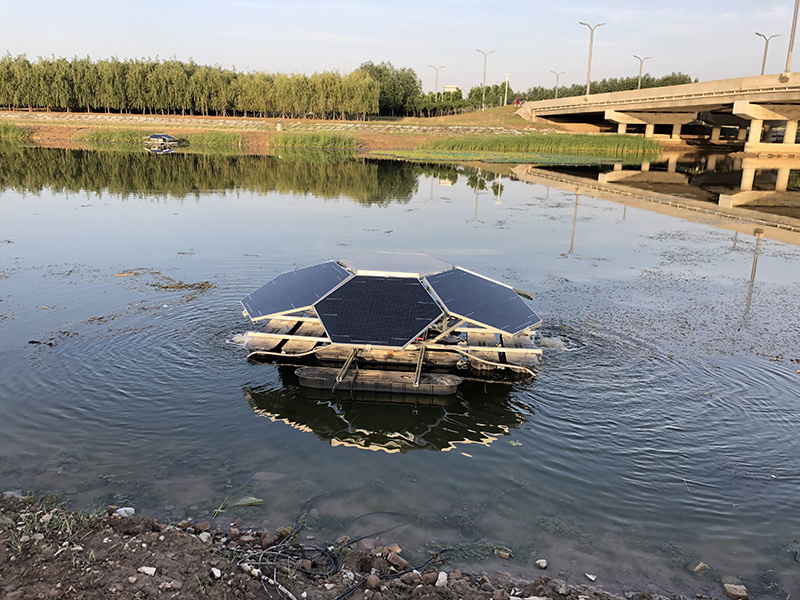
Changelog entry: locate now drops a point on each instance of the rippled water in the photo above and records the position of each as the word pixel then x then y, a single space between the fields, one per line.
pixel 662 428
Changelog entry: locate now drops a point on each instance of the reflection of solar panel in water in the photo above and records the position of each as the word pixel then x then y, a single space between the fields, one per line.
pixel 480 299
pixel 383 311
pixel 294 290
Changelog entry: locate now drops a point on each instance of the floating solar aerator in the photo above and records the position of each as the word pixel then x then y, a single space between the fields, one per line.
pixel 391 309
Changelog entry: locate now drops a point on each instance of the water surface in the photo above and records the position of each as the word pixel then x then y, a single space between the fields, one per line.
pixel 662 428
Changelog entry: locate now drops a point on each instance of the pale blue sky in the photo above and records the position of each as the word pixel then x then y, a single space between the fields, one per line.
pixel 708 39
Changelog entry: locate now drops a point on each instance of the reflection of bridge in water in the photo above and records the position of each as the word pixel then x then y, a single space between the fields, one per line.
pixel 630 188
pixel 751 105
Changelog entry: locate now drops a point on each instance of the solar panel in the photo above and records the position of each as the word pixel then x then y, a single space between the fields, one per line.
pixel 294 290
pixel 482 300
pixel 382 311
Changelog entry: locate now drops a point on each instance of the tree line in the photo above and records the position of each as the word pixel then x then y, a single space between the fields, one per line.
pixel 614 84
pixel 152 86
pixel 174 87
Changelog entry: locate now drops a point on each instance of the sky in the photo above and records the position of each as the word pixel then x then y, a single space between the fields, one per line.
pixel 706 39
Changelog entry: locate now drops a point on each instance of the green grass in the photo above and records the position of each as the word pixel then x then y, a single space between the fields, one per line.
pixel 120 136
pixel 550 143
pixel 314 140
pixel 136 136
pixel 12 132
pixel 534 158
pixel 213 138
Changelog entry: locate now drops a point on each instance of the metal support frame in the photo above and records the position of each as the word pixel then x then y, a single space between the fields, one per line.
pixel 418 373
pixel 343 371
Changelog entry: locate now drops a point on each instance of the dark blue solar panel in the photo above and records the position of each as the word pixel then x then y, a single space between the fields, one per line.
pixel 382 311
pixel 294 290
pixel 480 299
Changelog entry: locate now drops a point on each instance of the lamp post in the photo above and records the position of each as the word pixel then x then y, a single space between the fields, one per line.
pixel 766 48
pixel 788 68
pixel 641 63
pixel 436 89
pixel 557 74
pixel 505 96
pixel 483 96
pixel 591 44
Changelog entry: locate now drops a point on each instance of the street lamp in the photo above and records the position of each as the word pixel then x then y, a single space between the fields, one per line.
pixel 483 97
pixel 591 44
pixel 791 42
pixel 641 63
pixel 766 48
pixel 505 96
pixel 436 89
pixel 557 74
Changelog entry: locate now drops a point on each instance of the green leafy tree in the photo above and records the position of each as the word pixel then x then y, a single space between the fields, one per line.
pixel 400 89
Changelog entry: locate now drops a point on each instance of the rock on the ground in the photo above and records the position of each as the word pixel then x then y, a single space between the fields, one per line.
pixel 698 567
pixel 216 573
pixel 441 580
pixel 737 592
pixel 398 561
pixel 148 571
pixel 541 563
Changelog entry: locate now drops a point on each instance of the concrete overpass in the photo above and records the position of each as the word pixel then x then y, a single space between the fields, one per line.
pixel 754 105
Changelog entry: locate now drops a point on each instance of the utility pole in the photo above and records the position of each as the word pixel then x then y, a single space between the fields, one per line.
pixel 483 97
pixel 791 42
pixel 557 76
pixel 766 48
pixel 641 62
pixel 591 45
pixel 505 96
pixel 436 89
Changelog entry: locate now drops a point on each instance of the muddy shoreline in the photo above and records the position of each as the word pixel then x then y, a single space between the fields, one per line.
pixel 48 551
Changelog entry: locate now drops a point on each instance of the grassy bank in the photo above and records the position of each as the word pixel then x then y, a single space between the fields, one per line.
pixel 550 143
pixel 14 133
pixel 531 158
pixel 315 140
pixel 209 137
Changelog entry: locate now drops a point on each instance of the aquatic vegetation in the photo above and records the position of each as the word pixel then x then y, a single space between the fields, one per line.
pixel 136 135
pixel 11 132
pixel 314 140
pixel 470 551
pixel 557 143
pixel 565 528
pixel 503 157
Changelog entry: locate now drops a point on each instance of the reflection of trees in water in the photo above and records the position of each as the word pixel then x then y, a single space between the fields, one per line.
pixel 392 423
pixel 322 174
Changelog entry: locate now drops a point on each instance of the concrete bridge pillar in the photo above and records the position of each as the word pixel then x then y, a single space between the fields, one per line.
pixel 782 182
pixel 755 131
pixel 676 131
pixel 711 163
pixel 649 130
pixel 742 135
pixel 645 166
pixel 748 175
pixel 622 128
pixel 791 132
pixel 716 131
pixel 672 164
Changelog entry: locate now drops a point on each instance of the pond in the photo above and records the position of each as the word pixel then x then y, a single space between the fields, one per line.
pixel 661 429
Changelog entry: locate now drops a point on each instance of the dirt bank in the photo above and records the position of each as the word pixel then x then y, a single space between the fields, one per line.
pixel 47 551
pixel 62 130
